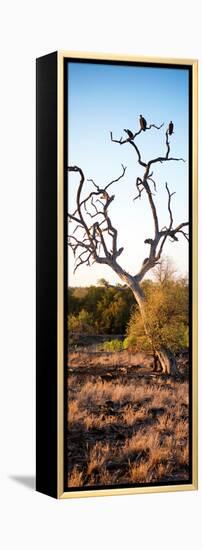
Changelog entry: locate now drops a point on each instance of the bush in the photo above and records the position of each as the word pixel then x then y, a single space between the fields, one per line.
pixel 128 342
pixel 166 314
pixel 83 322
pixel 109 307
pixel 113 345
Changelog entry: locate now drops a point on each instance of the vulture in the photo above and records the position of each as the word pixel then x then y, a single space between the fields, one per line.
pixel 170 128
pixel 143 123
pixel 130 134
pixel 105 195
pixel 148 241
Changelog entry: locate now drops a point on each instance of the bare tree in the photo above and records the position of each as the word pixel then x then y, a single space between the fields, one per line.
pixel 164 271
pixel 95 239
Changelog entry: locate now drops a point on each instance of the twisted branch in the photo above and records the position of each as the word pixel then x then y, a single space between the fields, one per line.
pixel 143 184
pixel 93 242
pixel 94 247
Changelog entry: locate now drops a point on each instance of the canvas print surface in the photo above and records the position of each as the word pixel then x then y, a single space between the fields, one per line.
pixel 128 372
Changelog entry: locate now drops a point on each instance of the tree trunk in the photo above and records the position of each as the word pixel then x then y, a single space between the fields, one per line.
pixel 167 360
pixel 164 360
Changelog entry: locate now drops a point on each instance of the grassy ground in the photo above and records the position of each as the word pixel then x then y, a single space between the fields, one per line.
pixel 126 425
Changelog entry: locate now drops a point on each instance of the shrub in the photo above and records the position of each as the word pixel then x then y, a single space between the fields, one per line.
pixel 113 345
pixel 83 322
pixel 166 317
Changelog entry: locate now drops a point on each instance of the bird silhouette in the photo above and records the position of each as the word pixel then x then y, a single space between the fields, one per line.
pixel 130 134
pixel 143 123
pixel 104 195
pixel 170 128
pixel 148 241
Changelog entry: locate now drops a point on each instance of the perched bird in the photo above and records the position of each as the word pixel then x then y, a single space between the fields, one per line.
pixel 170 128
pixel 143 123
pixel 148 241
pixel 130 134
pixel 105 195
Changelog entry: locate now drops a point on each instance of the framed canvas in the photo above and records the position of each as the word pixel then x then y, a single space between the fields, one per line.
pixel 116 382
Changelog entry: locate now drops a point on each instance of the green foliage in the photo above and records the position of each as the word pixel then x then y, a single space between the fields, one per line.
pixel 83 322
pixel 113 345
pixel 128 342
pixel 166 318
pixel 109 309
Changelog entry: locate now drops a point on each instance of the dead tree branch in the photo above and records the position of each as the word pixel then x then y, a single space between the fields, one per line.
pixel 99 241
pixel 157 242
pixel 94 246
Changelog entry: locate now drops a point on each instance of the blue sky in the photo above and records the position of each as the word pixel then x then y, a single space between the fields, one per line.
pixel 104 98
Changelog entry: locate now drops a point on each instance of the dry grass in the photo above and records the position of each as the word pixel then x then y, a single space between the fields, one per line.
pixel 127 428
pixel 75 478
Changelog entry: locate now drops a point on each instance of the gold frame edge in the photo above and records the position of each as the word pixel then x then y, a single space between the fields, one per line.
pixel 195 277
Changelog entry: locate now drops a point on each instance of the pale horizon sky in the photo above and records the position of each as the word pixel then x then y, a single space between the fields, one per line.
pixel 104 98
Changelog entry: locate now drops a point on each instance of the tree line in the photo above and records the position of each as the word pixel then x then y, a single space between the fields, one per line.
pixel 99 309
pixel 110 310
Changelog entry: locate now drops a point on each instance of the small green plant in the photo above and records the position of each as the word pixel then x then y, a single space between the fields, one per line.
pixel 113 345
pixel 128 343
